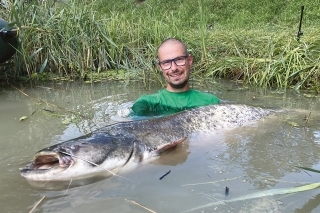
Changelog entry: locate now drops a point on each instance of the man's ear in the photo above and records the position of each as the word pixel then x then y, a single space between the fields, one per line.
pixel 190 59
pixel 159 67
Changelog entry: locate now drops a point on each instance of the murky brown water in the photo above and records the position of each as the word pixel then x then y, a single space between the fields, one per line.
pixel 246 160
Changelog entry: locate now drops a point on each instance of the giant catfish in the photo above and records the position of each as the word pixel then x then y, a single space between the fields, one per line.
pixel 124 143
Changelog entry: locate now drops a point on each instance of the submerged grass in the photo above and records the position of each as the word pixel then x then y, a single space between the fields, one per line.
pixel 250 41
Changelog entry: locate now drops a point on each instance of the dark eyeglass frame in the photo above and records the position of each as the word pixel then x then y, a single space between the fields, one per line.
pixel 174 60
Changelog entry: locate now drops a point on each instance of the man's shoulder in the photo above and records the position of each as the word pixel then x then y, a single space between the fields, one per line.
pixel 205 96
pixel 149 97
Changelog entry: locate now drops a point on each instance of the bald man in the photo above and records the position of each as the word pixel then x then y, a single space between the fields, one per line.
pixel 175 62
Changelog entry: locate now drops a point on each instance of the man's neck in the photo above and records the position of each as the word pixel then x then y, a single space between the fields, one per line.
pixel 183 89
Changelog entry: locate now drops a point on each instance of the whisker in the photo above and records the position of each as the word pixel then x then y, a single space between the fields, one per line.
pixel 94 165
pixel 68 187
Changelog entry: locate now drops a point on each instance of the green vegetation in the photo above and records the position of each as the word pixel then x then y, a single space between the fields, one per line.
pixel 245 40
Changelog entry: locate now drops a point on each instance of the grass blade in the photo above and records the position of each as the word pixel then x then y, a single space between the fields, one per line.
pixel 309 169
pixel 271 192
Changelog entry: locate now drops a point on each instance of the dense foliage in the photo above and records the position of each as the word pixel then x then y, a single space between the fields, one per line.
pixel 247 40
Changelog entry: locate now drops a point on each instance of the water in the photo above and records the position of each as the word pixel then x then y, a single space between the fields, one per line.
pixel 247 160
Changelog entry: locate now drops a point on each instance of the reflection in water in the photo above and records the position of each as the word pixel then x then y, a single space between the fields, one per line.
pixel 66 185
pixel 246 160
pixel 177 155
pixel 272 150
pixel 309 206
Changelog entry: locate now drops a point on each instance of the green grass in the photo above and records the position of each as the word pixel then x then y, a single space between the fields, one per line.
pixel 250 41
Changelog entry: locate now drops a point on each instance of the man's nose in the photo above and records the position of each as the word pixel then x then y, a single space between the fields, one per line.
pixel 173 65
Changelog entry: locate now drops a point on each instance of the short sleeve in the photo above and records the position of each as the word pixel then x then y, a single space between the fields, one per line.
pixel 141 106
pixel 215 100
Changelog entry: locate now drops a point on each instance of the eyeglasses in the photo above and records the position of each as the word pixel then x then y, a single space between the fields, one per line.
pixel 179 61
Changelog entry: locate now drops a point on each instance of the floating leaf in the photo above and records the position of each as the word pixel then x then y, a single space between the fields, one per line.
pixel 23 118
pixel 309 95
pixel 66 121
pixel 294 124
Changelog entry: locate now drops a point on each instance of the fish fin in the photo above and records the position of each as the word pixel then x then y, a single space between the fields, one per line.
pixel 169 146
pixel 137 152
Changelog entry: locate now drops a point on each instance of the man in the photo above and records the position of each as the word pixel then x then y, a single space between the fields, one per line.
pixel 175 63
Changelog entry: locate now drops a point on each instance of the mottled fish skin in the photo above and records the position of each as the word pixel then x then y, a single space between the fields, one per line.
pixel 207 119
pixel 122 143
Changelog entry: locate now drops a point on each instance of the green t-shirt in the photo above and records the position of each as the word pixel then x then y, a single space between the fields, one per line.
pixel 165 102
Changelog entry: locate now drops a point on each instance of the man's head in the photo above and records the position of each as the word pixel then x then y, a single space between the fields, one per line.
pixel 175 63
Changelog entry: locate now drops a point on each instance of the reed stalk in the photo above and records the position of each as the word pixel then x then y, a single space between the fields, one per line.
pixel 249 41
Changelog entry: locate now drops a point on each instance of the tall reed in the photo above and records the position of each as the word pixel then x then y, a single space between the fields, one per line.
pixel 240 40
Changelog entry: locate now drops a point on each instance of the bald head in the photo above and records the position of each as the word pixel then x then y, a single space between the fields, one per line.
pixel 172 42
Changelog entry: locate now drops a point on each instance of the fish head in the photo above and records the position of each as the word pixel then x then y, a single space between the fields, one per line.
pixel 80 157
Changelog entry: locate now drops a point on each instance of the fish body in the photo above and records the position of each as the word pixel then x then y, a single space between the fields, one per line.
pixel 117 145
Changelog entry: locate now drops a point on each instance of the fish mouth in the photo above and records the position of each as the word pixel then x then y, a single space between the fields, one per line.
pixel 45 161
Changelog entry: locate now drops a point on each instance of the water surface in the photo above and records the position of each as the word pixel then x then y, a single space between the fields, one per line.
pixel 246 160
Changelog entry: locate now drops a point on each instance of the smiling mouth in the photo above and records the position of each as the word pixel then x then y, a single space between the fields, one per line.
pixel 176 74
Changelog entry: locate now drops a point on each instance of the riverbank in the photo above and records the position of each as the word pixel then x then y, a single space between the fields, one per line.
pixel 248 41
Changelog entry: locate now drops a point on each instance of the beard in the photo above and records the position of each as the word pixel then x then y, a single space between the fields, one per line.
pixel 179 86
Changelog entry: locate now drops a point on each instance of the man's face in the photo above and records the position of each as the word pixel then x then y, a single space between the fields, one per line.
pixel 173 54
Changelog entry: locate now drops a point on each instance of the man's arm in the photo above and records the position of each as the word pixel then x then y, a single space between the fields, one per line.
pixel 141 106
